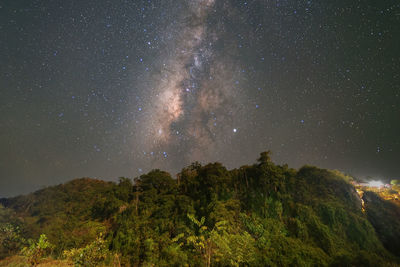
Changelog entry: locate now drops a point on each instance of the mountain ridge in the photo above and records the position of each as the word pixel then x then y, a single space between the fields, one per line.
pixel 263 214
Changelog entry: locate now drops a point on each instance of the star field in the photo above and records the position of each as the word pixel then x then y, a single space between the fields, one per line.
pixel 116 88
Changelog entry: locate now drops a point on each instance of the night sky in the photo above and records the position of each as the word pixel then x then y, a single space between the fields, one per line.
pixel 105 89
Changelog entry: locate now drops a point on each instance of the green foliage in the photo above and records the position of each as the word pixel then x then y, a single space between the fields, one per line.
pixel 258 215
pixel 395 182
pixel 93 254
pixel 221 244
pixel 11 240
pixel 37 250
pixel 203 242
pixel 63 212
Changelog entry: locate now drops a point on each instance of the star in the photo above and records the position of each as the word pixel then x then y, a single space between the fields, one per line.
pixel 161 84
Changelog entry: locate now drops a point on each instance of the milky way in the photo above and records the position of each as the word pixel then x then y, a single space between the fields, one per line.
pixel 192 94
pixel 105 89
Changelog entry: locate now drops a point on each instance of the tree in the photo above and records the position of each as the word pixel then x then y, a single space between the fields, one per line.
pixel 265 157
pixel 203 242
pixel 222 243
pixel 10 239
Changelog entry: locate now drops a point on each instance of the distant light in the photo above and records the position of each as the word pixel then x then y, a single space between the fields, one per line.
pixel 375 184
pixel 234 130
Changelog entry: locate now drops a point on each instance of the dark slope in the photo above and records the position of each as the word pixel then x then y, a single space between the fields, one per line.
pixel 385 217
pixel 63 212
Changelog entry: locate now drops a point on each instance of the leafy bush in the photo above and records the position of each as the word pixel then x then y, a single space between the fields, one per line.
pixel 93 254
pixel 37 250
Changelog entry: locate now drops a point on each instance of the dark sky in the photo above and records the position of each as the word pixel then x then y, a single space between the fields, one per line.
pixel 116 88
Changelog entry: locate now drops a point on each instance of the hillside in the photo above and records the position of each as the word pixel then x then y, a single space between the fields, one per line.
pixel 258 215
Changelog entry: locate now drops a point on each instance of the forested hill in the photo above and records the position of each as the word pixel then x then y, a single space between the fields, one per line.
pixel 258 215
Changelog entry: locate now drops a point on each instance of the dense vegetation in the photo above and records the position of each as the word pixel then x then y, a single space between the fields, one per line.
pixel 259 215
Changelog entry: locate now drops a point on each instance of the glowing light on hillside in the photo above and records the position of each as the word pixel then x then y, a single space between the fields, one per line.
pixel 375 184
